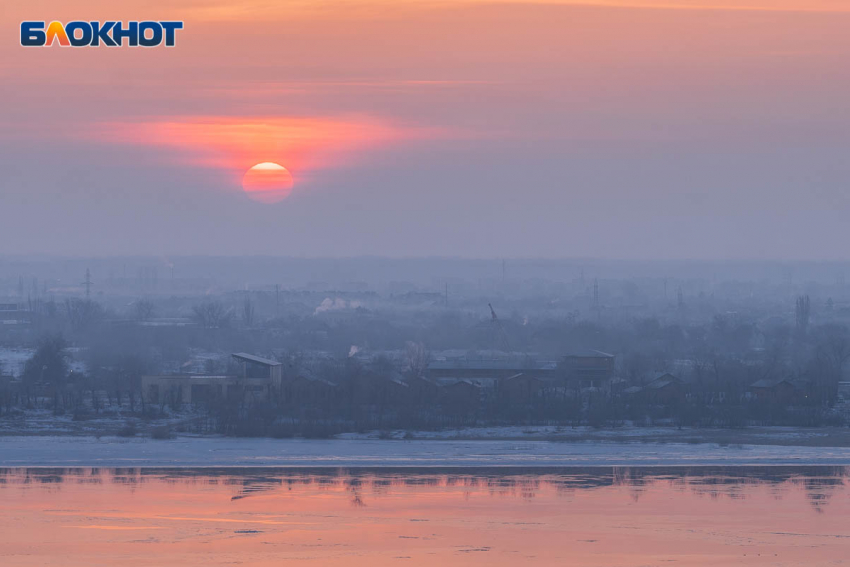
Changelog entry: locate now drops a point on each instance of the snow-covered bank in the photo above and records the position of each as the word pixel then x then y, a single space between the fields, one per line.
pixel 43 422
pixel 229 452
pixel 802 436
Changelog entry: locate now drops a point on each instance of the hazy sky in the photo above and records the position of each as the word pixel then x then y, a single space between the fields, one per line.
pixel 621 128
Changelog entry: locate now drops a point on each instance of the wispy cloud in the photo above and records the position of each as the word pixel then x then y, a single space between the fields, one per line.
pixel 223 10
pixel 824 6
pixel 113 528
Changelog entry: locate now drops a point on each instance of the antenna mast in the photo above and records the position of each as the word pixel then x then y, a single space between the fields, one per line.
pixel 88 283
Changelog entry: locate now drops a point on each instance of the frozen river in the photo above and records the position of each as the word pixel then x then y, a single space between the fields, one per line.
pixel 597 516
pixel 218 452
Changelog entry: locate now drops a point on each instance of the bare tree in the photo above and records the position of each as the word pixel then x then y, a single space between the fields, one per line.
pixel 832 351
pixel 212 315
pixel 143 310
pixel 802 313
pixel 248 312
pixel 48 366
pixel 83 312
pixel 417 358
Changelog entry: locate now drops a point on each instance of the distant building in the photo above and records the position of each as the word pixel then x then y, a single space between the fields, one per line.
pixel 663 389
pixel 14 314
pixel 461 396
pixel 842 403
pixel 256 367
pixel 521 387
pixel 578 370
pixel 307 389
pixel 780 391
pixel 258 379
pixel 423 389
pixel 179 389
pixel 490 368
pixel 588 368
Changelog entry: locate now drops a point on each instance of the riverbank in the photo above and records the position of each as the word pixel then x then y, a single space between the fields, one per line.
pixel 65 451
pixel 778 436
pixel 41 423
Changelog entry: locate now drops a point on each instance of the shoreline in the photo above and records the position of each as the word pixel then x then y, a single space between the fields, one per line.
pixel 786 436
pixel 42 423
pixel 224 452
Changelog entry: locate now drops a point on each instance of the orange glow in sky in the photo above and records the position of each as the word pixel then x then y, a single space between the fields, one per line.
pixel 305 144
pixel 545 112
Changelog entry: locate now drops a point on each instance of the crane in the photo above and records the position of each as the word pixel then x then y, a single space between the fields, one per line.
pixel 505 344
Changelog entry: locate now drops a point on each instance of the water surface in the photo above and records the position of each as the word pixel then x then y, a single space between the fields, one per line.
pixel 616 516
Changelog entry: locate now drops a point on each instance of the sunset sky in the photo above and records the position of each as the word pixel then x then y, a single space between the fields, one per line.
pixel 557 128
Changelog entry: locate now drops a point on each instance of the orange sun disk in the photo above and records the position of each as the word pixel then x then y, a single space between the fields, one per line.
pixel 267 182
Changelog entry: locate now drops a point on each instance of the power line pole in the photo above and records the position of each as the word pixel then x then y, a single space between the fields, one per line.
pixel 596 298
pixel 88 283
pixel 505 344
pixel 277 300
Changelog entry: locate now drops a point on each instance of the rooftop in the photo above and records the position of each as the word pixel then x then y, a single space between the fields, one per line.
pixel 190 376
pixel 588 353
pixel 245 357
pixel 493 364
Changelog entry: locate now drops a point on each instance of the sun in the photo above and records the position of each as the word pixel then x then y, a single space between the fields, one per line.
pixel 267 182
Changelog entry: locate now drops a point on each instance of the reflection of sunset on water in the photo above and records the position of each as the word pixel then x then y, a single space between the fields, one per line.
pixel 620 516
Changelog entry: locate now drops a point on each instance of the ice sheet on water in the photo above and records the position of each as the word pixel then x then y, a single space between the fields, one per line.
pixel 222 452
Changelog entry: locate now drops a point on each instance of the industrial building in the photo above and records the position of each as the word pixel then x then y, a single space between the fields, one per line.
pixel 258 379
pixel 577 370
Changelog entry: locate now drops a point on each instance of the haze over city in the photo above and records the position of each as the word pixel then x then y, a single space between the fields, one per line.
pixel 364 283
